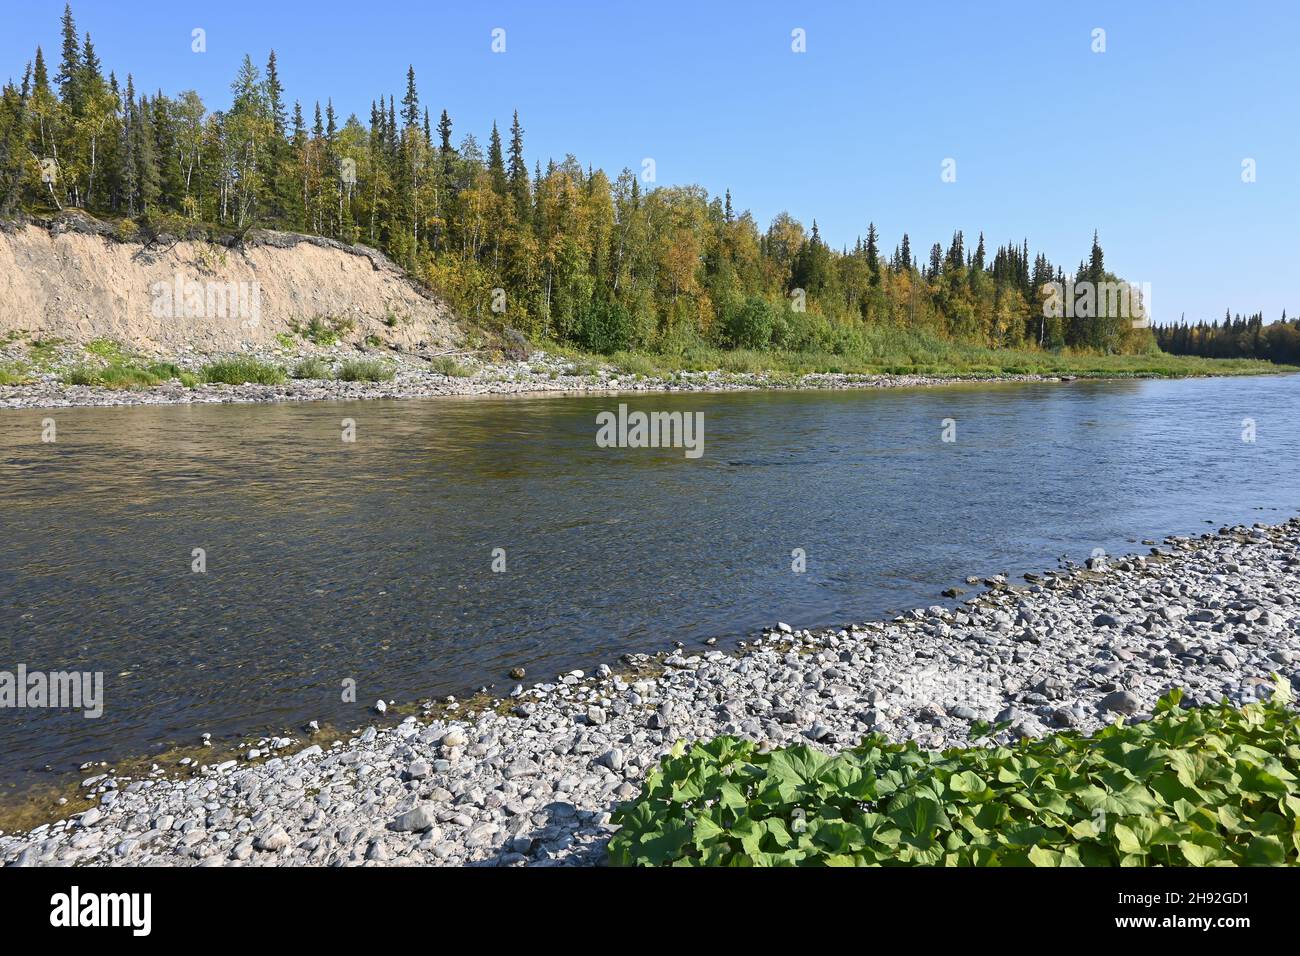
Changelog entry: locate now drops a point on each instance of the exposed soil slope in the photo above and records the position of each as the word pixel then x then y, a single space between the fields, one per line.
pixel 72 278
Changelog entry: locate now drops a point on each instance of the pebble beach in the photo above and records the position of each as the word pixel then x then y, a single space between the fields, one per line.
pixel 531 779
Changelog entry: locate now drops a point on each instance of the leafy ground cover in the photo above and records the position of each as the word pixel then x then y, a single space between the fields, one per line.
pixel 1204 786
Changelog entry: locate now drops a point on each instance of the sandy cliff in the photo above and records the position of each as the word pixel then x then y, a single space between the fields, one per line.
pixel 73 279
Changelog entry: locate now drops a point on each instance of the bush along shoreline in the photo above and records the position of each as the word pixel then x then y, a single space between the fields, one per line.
pixel 89 380
pixel 978 734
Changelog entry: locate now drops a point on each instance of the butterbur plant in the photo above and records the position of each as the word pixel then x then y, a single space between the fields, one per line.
pixel 1207 786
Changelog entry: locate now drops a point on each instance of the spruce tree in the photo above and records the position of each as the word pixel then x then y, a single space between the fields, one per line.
pixel 518 177
pixel 12 146
pixel 148 179
pixel 40 77
pixel 90 66
pixel 69 73
pixel 496 163
pixel 275 95
pixel 444 136
pixel 130 163
pixel 171 150
pixel 411 101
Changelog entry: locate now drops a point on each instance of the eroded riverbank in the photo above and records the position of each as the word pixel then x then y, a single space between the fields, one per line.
pixel 531 779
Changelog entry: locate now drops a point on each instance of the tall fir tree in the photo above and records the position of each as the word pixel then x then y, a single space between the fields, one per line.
pixel 411 101
pixel 496 163
pixel 518 172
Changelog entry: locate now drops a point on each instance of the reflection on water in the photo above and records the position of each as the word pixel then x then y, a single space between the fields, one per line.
pixel 372 560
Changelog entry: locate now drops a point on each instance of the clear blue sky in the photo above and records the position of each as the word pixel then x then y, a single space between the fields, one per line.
pixel 1143 142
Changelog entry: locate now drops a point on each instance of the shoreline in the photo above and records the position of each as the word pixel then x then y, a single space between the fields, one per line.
pixel 541 374
pixel 409 385
pixel 21 397
pixel 531 779
pixel 424 373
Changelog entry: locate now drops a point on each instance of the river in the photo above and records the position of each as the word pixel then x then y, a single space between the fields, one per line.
pixel 376 560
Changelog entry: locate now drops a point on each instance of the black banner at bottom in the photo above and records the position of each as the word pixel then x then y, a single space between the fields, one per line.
pixel 145 906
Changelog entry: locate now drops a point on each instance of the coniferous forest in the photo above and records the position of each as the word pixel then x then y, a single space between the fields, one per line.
pixel 602 263
pixel 1239 337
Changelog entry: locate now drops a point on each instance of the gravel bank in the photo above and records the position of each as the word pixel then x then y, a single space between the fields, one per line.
pixel 531 780
pixel 415 378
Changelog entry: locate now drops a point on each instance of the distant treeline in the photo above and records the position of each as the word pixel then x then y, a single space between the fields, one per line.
pixel 1235 338
pixel 560 250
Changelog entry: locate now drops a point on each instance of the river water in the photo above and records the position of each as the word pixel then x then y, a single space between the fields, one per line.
pixel 373 560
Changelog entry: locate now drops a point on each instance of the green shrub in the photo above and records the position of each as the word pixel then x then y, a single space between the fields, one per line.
pixel 81 375
pixel 106 349
pixel 631 363
pixel 113 375
pixel 742 360
pixel 811 332
pixel 189 379
pixel 321 334
pixel 312 368
pixel 366 370
pixel 117 375
pixel 14 373
pixel 751 326
pixel 44 352
pixel 325 332
pixel 165 370
pixel 1205 786
pixel 446 365
pixel 241 371
pixel 605 327
pixel 111 367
